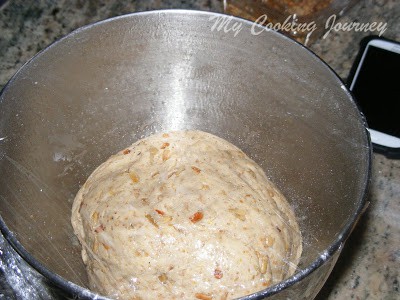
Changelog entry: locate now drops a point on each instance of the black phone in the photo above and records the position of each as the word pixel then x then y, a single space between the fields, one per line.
pixel 374 81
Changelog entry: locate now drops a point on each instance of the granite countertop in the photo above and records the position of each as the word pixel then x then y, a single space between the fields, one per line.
pixel 369 265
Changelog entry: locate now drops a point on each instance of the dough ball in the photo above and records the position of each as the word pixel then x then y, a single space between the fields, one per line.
pixel 184 215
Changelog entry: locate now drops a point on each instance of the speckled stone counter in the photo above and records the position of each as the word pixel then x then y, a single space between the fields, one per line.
pixel 370 262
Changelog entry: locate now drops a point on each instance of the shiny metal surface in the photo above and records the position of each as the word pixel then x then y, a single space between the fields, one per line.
pixel 104 86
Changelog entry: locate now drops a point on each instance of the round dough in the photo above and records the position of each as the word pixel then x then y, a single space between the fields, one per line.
pixel 184 215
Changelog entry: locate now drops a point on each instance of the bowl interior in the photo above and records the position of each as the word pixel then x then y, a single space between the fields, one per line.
pixel 103 87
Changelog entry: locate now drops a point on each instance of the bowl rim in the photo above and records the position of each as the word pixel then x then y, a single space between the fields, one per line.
pixel 362 204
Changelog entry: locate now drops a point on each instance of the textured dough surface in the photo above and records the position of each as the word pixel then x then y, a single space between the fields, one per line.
pixel 184 215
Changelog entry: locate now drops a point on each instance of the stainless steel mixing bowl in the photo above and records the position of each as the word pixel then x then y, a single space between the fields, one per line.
pixel 106 85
